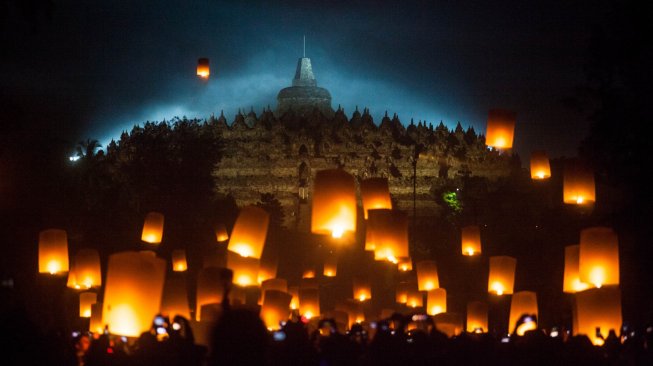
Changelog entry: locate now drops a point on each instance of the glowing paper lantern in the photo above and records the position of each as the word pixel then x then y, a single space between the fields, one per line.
pixel 540 167
pixel 522 303
pixel 500 129
pixel 334 203
pixel 414 298
pixel 330 266
pixel 275 308
pixel 245 269
pixel 175 298
pixel 179 260
pixel 401 296
pixel 450 324
pixel 578 184
pixel 405 264
pixel 153 228
pixel 471 240
pixel 221 233
pixel 502 275
pixel 598 309
pixel 53 251
pixel 362 288
pixel 203 69
pixel 572 283
pixel 309 302
pixel 436 301
pixel 95 324
pixel 294 302
pixel 599 257
pixel 250 230
pixel 477 314
pixel 427 275
pixel 132 294
pixel 388 230
pixel 86 300
pixel 278 284
pixel 375 194
pixel 85 271
pixel 309 272
pixel 212 283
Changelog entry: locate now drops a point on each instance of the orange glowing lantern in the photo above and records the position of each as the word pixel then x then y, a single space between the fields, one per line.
pixel 212 282
pixel 275 308
pixel 522 303
pixel 85 271
pixel 436 301
pixel 477 314
pixel 278 284
pixel 471 240
pixel 95 323
pixel 309 272
pixel 153 228
pixel 375 194
pixel 401 296
pixel 309 302
pixel 362 288
pixel 388 230
pixel 250 230
pixel 245 269
pixel 221 233
pixel 405 264
pixel 175 298
pixel 53 251
pixel 598 310
pixel 203 69
pixel 572 283
pixel 578 183
pixel 86 300
pixel 132 295
pixel 334 203
pixel 500 129
pixel 294 292
pixel 269 264
pixel 427 275
pixel 540 167
pixel 502 275
pixel 598 260
pixel 179 260
pixel 330 266
pixel 414 298
pixel 450 324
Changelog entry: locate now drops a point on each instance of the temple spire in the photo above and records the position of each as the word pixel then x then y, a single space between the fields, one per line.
pixel 304 46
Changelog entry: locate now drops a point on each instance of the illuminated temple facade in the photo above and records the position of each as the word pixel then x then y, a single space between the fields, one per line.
pixel 278 152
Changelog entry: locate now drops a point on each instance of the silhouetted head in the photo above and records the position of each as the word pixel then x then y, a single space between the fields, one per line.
pixel 239 338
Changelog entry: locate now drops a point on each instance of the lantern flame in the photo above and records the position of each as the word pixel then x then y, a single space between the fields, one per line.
pixel 436 310
pixel 579 286
pixel 54 267
pixel 337 231
pixel 470 251
pixel 362 298
pixel 540 175
pixel 498 288
pixel 308 315
pixel 243 249
pixel 597 276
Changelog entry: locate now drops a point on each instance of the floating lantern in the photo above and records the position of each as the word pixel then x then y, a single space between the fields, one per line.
pixel 269 264
pixel 175 298
pixel 572 283
pixel 212 283
pixel 578 183
pixel 540 167
pixel 153 228
pixel 334 203
pixel 95 323
pixel 203 69
pixel 401 296
pixel 245 269
pixel 388 230
pixel 599 257
pixel 522 303
pixel 179 260
pixel 86 300
pixel 502 275
pixel 309 302
pixel 221 233
pixel 450 324
pixel 294 302
pixel 53 251
pixel 275 308
pixel 414 298
pixel 309 272
pixel 427 275
pixel 598 311
pixel 330 266
pixel 375 194
pixel 278 284
pixel 250 230
pixel 500 129
pixel 471 240
pixel 436 301
pixel 477 314
pixel 405 264
pixel 85 272
pixel 132 294
pixel 362 288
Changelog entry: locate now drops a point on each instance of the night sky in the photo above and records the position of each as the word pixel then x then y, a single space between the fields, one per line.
pixel 91 69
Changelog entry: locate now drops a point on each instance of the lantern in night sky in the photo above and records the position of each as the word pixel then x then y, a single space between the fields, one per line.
pixel 175 298
pixel 477 314
pixel 578 183
pixel 203 69
pixel 294 292
pixel 375 194
pixel 86 300
pixel 309 302
pixel 401 295
pixel 354 311
pixel 522 303
pixel 85 271
pixel 414 298
pixel 598 259
pixel 362 288
pixel 275 308
pixel 153 228
pixel 269 264
pixel 334 203
pixel 309 271
pixel 471 240
pixel 502 275
pixel 330 266
pixel 250 231
pixel 436 301
pixel 540 167
pixel 598 310
pixel 95 323
pixel 405 264
pixel 221 233
pixel 427 275
pixel 571 283
pixel 500 129
pixel 389 233
pixel 245 269
pixel 179 263
pixel 53 251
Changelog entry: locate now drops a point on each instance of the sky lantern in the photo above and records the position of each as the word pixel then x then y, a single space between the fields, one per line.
pixel 153 228
pixel 250 231
pixel 598 259
pixel 571 283
pixel 175 298
pixel 502 275
pixel 203 70
pixel 211 285
pixel 294 302
pixel 330 266
pixel 308 272
pixel 471 240
pixel 85 271
pixel 362 288
pixel 375 194
pixel 245 269
pixel 334 203
pixel 401 295
pixel 427 275
pixel 450 324
pixel 132 294
pixel 86 299
pixel 95 323
pixel 388 230
pixel 500 129
pixel 309 302
pixel 522 303
pixel 179 260
pixel 599 310
pixel 275 308
pixel 578 183
pixel 414 298
pixel 540 167
pixel 278 284
pixel 53 251
pixel 436 301
pixel 221 233
pixel 405 264
pixel 477 314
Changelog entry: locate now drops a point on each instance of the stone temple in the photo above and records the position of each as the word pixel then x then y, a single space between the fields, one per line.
pixel 278 152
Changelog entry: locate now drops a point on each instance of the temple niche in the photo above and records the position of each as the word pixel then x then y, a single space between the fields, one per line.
pixel 279 151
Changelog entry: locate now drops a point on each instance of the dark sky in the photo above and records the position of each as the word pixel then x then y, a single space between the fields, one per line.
pixel 95 68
